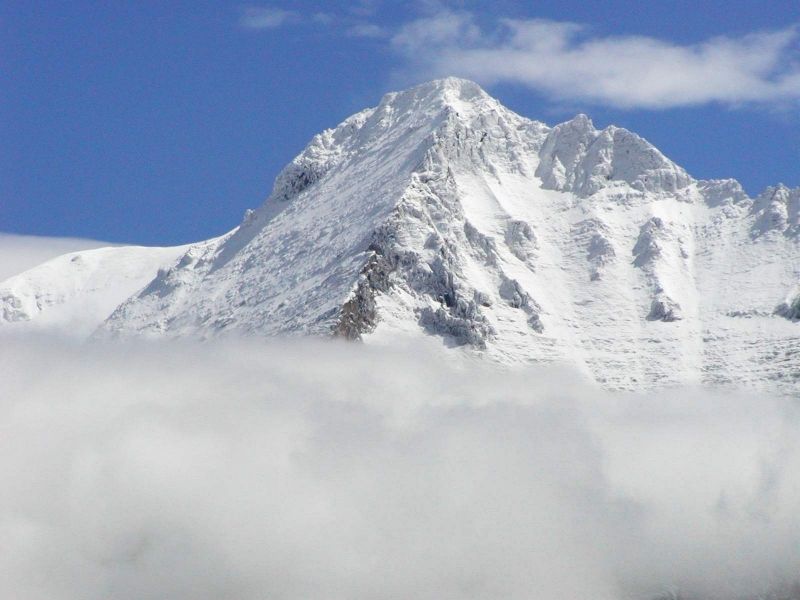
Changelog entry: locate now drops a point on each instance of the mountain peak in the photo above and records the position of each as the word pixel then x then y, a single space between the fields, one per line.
pixel 579 158
pixel 461 95
pixel 449 87
pixel 580 122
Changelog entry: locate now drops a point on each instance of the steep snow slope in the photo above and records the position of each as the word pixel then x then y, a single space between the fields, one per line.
pixel 74 293
pixel 441 214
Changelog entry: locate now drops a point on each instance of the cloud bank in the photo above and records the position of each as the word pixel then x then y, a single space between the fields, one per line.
pixel 325 471
pixel 567 61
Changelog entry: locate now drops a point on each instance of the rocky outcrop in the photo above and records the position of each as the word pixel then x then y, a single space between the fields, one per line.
pixel 790 308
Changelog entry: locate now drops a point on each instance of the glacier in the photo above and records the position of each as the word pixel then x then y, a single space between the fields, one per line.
pixel 441 215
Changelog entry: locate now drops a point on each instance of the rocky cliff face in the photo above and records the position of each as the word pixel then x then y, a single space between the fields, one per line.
pixel 442 214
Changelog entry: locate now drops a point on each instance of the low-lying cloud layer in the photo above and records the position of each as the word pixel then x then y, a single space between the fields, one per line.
pixel 310 470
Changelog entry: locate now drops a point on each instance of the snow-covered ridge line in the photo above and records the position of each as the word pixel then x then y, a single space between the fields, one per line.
pixel 440 215
pixel 74 293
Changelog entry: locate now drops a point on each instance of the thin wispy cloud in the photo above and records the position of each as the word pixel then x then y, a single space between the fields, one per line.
pixel 323 18
pixel 364 8
pixel 267 18
pixel 568 62
pixel 367 30
pixel 257 17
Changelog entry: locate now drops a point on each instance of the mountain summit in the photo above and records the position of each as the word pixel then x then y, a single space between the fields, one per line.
pixel 440 213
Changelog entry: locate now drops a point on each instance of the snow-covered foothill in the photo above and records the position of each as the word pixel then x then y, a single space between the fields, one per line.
pixel 74 293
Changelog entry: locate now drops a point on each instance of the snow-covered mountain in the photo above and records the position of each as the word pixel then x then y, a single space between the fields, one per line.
pixel 442 214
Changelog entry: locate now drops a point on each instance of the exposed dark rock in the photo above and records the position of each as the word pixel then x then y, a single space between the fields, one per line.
pixel 790 309
pixel 664 309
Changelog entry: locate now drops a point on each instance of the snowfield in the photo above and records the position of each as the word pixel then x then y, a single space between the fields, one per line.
pixel 442 215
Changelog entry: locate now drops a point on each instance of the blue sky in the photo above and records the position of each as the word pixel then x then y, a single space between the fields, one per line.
pixel 161 122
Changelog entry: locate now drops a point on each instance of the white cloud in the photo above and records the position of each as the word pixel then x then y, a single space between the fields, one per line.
pixel 367 30
pixel 256 17
pixel 364 8
pixel 323 18
pixel 567 62
pixel 259 18
pixel 313 470
pixel 421 39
